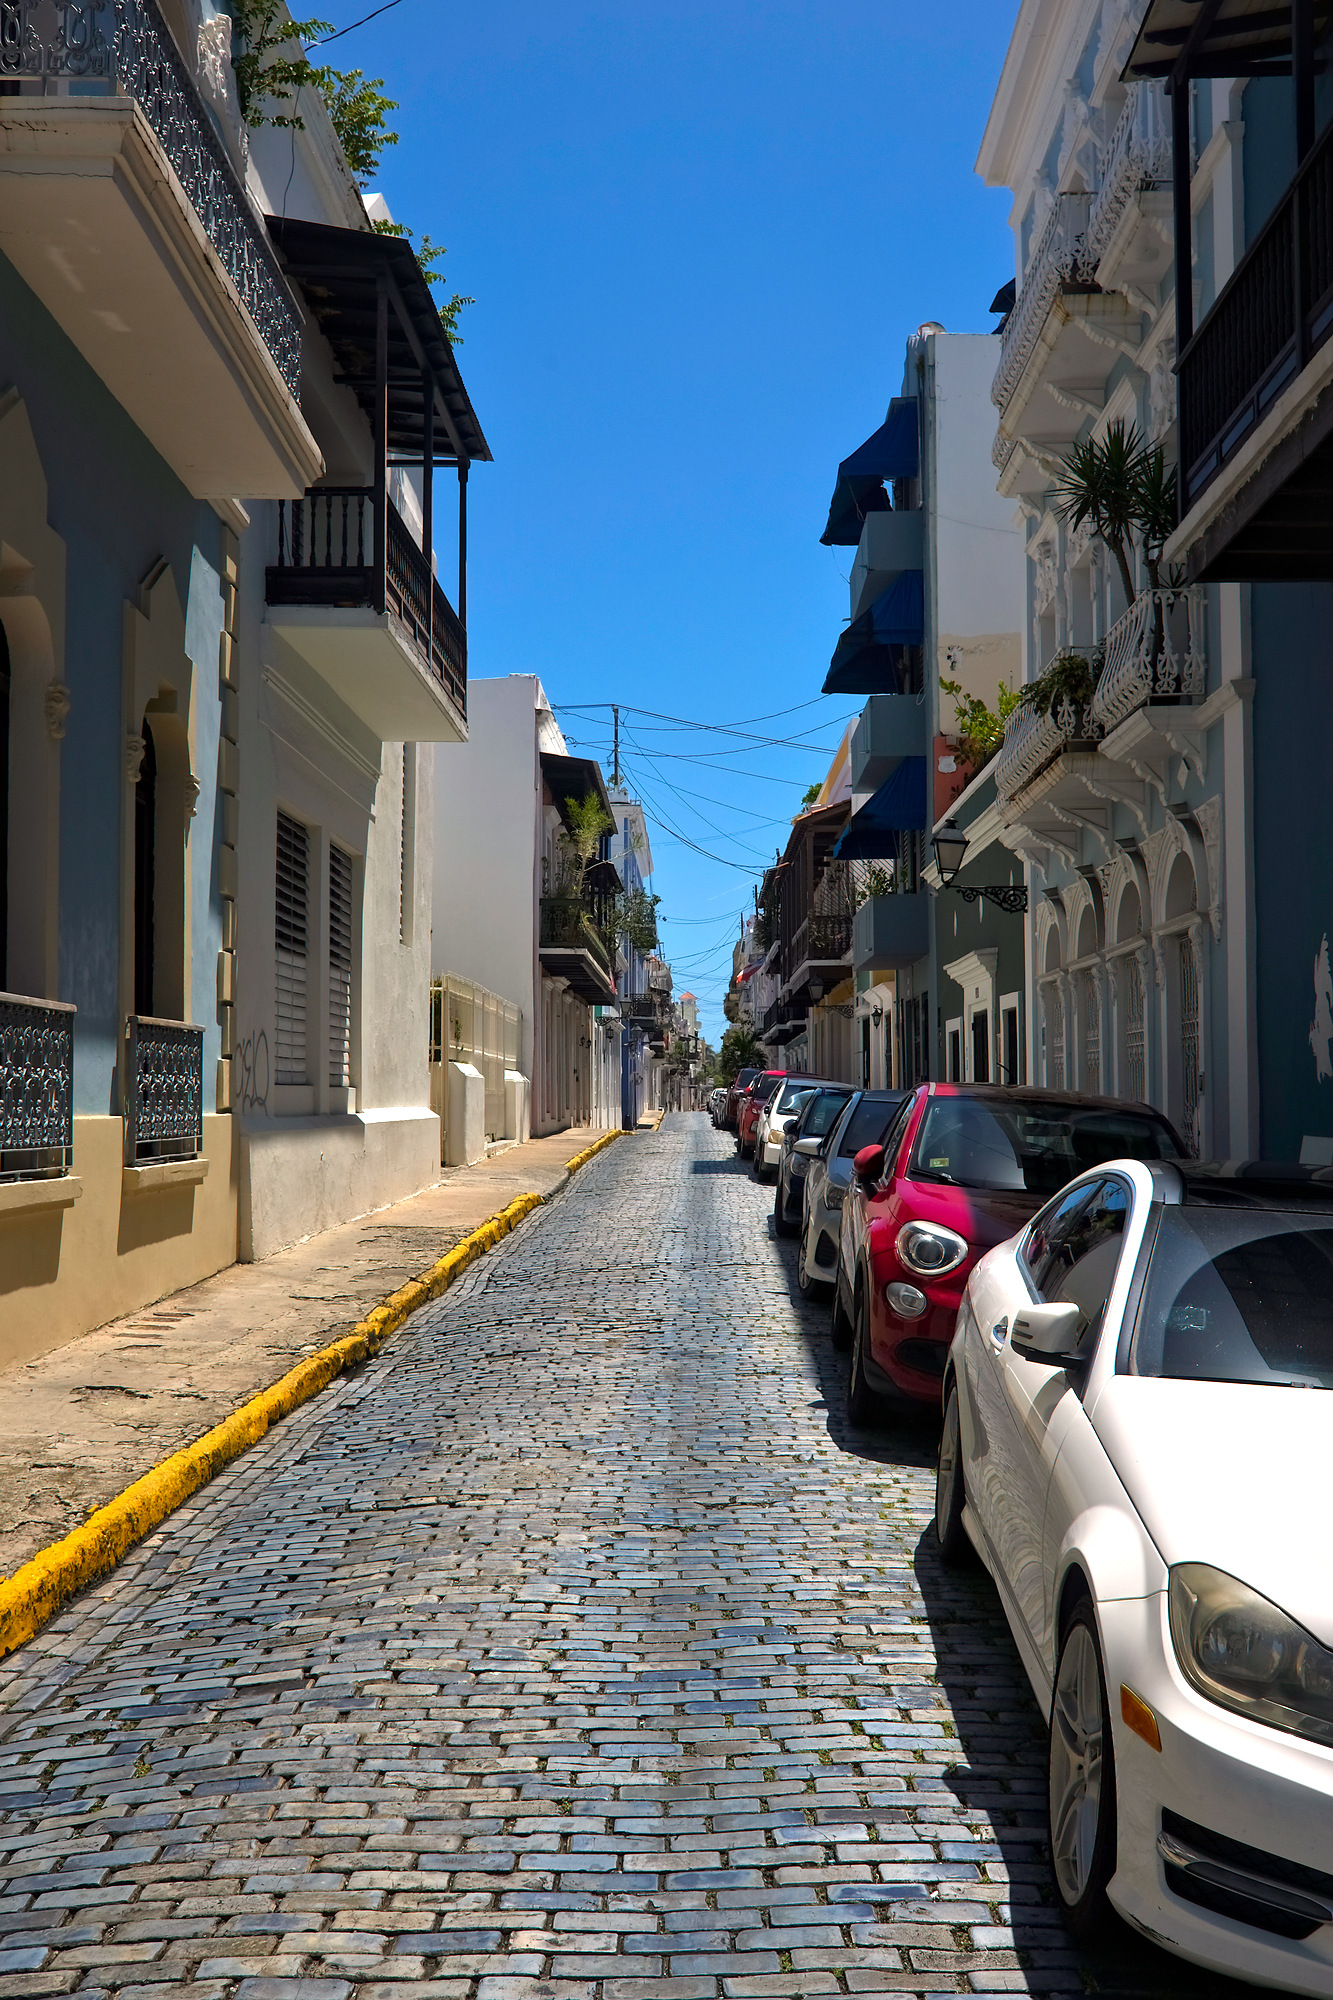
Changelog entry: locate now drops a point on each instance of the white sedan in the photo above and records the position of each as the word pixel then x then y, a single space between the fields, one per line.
pixel 1136 1443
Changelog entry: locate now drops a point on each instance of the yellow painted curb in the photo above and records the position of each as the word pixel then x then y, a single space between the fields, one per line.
pixel 36 1591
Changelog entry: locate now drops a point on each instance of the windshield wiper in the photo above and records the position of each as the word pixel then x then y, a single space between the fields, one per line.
pixel 936 1174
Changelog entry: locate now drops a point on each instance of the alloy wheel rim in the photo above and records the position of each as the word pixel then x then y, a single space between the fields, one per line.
pixel 947 1470
pixel 1077 1727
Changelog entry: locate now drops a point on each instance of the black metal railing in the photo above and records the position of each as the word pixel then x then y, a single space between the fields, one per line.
pixel 326 555
pixel 823 938
pixel 36 1088
pixel 124 45
pixel 1273 313
pixel 164 1090
pixel 567 925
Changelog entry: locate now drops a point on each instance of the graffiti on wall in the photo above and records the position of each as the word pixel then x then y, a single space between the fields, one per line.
pixel 252 1073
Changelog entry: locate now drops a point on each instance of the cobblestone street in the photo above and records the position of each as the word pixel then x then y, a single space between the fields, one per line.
pixel 575 1647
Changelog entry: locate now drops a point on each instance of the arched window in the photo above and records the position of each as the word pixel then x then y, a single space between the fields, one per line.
pixel 145 869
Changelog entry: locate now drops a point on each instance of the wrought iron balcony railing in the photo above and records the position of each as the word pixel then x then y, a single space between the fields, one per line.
pixel 164 1090
pixel 328 553
pixel 1137 156
pixel 822 938
pixel 567 925
pixel 1060 257
pixel 78 48
pixel 1034 737
pixel 36 1088
pixel 1273 313
pixel 1155 652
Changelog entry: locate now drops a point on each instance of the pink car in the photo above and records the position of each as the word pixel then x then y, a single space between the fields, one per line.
pixel 964 1166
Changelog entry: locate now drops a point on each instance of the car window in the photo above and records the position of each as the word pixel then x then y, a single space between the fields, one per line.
pixel 1029 1144
pixel 822 1113
pixel 867 1125
pixel 1073 1249
pixel 792 1094
pixel 1238 1296
pixel 894 1136
pixel 745 1077
pixel 767 1088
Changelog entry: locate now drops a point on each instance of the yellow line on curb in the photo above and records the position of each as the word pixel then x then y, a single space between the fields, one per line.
pixel 38 1590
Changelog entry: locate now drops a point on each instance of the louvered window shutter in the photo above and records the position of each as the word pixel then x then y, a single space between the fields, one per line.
pixel 291 940
pixel 340 968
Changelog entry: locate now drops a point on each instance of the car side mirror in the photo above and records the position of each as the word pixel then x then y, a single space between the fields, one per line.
pixel 809 1149
pixel 1050 1333
pixel 869 1165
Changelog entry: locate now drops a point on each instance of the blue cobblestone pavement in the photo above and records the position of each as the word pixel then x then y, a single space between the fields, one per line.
pixel 574 1648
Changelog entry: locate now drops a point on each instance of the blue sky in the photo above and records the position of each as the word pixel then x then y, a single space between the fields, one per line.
pixel 698 236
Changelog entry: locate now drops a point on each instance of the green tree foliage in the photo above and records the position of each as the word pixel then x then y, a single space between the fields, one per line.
pixel 272 69
pixel 810 794
pixel 1125 489
pixel 360 112
pixel 980 729
pixel 740 1050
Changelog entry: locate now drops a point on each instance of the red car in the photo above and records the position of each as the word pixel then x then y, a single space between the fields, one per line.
pixel 752 1103
pixel 744 1078
pixel 964 1166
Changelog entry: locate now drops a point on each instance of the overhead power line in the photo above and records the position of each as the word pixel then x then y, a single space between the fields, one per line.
pixel 338 33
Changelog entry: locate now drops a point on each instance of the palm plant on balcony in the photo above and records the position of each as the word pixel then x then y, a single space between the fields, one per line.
pixel 1128 492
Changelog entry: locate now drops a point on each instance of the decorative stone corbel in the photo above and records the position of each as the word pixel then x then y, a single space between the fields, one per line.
pixel 191 789
pixel 134 749
pixel 55 707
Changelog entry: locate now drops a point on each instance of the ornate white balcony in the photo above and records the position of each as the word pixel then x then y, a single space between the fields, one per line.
pixel 1155 652
pixel 1129 241
pixel 1060 257
pixel 1034 737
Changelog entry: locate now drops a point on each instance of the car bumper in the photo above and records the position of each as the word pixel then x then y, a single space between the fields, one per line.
pixel 1227 1777
pixel 772 1153
pixel 911 1353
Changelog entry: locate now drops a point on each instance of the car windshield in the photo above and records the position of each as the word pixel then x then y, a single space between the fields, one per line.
pixel 868 1125
pixel 1238 1296
pixel 766 1088
pixel 822 1113
pixel 792 1095
pixel 1026 1144
pixel 745 1077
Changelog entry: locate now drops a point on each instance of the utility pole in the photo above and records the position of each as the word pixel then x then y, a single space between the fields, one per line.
pixel 615 754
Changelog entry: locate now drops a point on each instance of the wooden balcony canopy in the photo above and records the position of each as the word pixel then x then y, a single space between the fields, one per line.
pixel 1186 38
pixel 575 778
pixel 341 273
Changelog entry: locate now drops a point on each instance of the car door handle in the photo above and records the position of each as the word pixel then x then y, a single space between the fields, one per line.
pixel 999 1333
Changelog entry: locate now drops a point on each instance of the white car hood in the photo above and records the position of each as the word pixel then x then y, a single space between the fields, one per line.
pixel 1232 1474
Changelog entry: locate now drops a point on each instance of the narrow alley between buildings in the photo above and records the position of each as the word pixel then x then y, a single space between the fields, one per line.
pixel 574 1648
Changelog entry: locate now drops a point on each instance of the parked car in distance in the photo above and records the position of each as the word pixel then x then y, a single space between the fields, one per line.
pixel 717 1105
pixel 965 1166
pixel 752 1105
pixel 814 1121
pixel 865 1120
pixel 740 1084
pixel 1135 1441
pixel 780 1111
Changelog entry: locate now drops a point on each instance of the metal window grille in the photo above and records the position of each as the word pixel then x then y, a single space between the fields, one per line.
pixel 1189 1044
pixel 340 968
pixel 36 1088
pixel 1092 1034
pixel 1136 1082
pixel 292 943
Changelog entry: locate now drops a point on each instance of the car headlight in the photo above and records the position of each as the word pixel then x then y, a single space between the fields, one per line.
pixel 834 1193
pixel 799 1165
pixel 1243 1653
pixel 929 1249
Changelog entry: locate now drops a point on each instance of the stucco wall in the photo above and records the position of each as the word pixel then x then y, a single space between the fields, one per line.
pixel 120 511
pixel 487 800
pixel 65 1271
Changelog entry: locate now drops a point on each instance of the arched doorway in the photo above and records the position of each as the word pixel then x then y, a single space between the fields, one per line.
pixel 145 858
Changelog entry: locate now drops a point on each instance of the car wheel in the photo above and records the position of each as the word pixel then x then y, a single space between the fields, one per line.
pixel 950 1494
pixel 863 1405
pixel 1081 1789
pixel 781 1226
pixel 805 1283
pixel 840 1327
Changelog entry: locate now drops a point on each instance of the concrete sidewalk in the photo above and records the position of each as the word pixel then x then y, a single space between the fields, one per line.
pixel 80 1423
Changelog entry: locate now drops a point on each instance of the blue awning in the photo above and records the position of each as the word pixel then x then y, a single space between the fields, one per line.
pixel 899 806
pixel 891 452
pixel 865 659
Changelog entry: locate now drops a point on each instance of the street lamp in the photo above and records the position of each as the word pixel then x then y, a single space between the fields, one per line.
pixel 950 845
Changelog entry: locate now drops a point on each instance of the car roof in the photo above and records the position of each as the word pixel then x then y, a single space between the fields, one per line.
pixel 1271 1184
pixel 1024 1093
